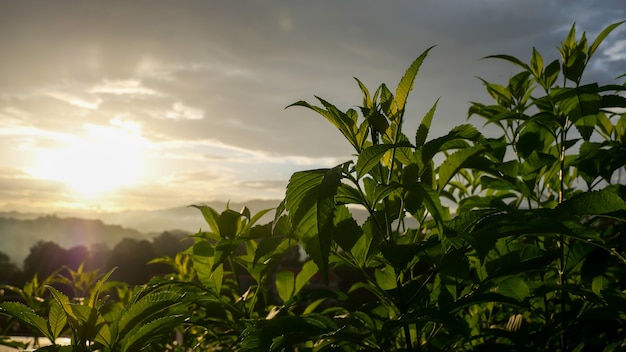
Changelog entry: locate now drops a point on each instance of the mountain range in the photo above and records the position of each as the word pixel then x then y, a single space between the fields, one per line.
pixel 20 231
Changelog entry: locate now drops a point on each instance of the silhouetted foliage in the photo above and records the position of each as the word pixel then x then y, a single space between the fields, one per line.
pixel 9 271
pixel 45 257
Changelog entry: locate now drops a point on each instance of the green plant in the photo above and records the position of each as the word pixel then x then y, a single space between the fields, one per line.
pixel 150 316
pixel 405 257
pixel 527 258
pixel 562 242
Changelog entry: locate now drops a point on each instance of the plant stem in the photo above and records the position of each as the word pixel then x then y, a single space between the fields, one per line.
pixel 403 310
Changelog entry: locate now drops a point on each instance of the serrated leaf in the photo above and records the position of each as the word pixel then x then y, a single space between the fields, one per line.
pixel 514 287
pixel 56 319
pixel 592 203
pixel 310 200
pixel 145 309
pixel 454 163
pixel 371 156
pixel 26 315
pixel 424 127
pixel 141 335
pixel 406 83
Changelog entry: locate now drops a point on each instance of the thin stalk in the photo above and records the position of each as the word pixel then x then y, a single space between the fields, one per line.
pixel 562 278
pixel 403 311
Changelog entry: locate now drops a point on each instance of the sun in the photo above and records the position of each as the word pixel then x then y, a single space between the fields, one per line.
pixel 102 160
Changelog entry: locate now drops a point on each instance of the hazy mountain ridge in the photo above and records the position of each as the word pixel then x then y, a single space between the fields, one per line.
pixel 19 235
pixel 20 231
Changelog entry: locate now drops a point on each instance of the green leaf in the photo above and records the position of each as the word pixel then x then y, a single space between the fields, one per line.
pixel 429 198
pixel 203 259
pixel 424 127
pixel 600 38
pixel 285 283
pixel 64 302
pixel 211 216
pixel 454 163
pixel 345 124
pixel 228 223
pixel 536 63
pixel 26 315
pixel 141 335
pixel 386 278
pixel 510 59
pixel 95 293
pixel 592 203
pixel 56 319
pixel 406 83
pixel 267 246
pixel 145 309
pixel 309 269
pixel 514 287
pixel 367 100
pixel 283 332
pixel 310 200
pixel 370 157
pixel 551 73
pixel 439 144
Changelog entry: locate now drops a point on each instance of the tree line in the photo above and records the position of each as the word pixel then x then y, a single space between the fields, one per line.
pixel 130 256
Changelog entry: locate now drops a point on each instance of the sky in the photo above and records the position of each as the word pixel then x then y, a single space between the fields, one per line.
pixel 150 104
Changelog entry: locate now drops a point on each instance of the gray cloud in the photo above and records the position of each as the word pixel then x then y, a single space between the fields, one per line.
pixel 223 71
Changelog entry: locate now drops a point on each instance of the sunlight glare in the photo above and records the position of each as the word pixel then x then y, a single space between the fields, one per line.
pixel 106 158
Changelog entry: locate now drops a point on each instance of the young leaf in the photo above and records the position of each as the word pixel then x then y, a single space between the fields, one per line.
pixel 600 38
pixel 406 83
pixel 211 216
pixel 367 100
pixel 424 127
pixel 536 63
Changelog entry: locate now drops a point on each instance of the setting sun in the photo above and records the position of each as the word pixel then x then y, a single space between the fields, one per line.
pixel 105 158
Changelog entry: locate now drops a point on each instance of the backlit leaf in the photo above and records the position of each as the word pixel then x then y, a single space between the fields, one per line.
pixel 406 83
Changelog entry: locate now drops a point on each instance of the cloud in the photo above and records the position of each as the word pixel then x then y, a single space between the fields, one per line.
pixel 180 111
pixel 207 82
pixel 617 51
pixel 130 87
pixel 92 104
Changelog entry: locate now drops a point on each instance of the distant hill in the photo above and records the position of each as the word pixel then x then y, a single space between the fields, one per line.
pixel 18 235
pixel 20 231
pixel 181 218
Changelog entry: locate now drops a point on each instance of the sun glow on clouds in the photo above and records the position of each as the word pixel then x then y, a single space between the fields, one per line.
pixel 122 87
pixel 180 111
pixel 103 159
